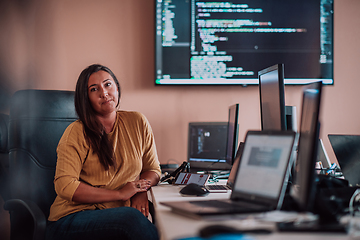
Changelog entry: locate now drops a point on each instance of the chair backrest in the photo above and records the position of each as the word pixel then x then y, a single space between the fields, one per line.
pixel 4 128
pixel 37 121
pixel 4 155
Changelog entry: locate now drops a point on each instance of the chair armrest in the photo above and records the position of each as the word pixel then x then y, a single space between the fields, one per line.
pixel 27 220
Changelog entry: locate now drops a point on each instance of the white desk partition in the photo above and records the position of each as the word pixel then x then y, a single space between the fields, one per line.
pixel 174 226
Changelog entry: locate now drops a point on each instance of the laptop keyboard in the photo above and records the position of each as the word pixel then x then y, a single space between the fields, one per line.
pixel 230 204
pixel 217 187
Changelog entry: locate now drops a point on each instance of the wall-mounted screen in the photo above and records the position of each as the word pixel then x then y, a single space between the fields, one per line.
pixel 200 42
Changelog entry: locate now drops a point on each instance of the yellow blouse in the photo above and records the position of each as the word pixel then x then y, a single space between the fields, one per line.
pixel 135 152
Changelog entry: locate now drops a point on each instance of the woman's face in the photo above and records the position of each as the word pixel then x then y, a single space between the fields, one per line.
pixel 103 92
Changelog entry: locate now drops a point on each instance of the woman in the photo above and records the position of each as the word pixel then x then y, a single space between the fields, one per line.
pixel 106 162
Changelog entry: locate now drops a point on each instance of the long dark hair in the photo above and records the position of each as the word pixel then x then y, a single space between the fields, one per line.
pixel 94 130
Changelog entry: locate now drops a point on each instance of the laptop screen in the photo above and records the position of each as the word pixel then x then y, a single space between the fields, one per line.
pixel 347 152
pixel 234 168
pixel 207 146
pixel 264 164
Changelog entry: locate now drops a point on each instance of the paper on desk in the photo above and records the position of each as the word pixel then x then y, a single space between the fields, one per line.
pixel 283 216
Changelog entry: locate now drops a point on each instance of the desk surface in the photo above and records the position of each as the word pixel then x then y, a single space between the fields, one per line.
pixel 174 226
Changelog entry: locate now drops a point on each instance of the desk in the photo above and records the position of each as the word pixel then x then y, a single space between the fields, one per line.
pixel 173 226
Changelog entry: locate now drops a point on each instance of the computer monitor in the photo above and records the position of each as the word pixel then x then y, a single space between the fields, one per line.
pixel 291 120
pixel 226 42
pixel 302 190
pixel 272 99
pixel 207 146
pixel 232 136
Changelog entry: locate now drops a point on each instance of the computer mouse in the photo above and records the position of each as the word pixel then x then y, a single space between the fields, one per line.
pixel 193 189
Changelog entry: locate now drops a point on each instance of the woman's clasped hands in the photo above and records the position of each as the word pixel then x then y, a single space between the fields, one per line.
pixel 131 188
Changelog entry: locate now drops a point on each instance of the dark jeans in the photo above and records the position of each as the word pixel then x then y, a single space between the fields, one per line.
pixel 114 223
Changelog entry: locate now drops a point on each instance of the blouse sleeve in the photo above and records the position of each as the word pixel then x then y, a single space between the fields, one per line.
pixel 71 152
pixel 150 157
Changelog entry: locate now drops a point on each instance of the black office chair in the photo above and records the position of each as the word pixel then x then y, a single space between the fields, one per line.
pixel 37 121
pixel 4 156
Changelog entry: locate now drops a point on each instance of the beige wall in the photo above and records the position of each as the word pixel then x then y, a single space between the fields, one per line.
pixel 44 44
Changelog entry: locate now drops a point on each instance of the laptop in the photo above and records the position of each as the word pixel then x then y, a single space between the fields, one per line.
pixel 347 152
pixel 260 181
pixel 322 155
pixel 213 188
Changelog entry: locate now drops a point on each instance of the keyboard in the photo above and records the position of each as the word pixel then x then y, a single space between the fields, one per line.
pixel 215 187
pixel 228 204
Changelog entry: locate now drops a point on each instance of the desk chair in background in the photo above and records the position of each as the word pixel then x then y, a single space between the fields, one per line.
pixel 37 121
